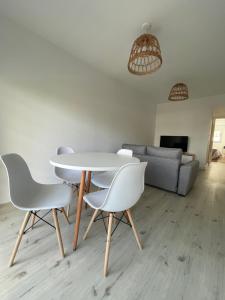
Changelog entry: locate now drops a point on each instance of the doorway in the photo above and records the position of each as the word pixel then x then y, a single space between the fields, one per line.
pixel 217 147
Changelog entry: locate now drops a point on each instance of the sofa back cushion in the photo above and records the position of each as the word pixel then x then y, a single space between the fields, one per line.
pixel 137 149
pixel 164 152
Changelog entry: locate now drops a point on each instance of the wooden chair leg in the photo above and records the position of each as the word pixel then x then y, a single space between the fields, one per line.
pixel 65 215
pixel 134 229
pixel 115 221
pixel 90 224
pixel 58 232
pixel 22 228
pixel 68 211
pixel 108 244
pixel 77 190
pixel 127 218
pixel 88 182
pixel 33 220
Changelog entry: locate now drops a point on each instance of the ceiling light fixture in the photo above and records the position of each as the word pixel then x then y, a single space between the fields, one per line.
pixel 179 92
pixel 145 55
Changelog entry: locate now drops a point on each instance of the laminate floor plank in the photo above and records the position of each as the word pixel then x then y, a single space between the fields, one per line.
pixel 183 256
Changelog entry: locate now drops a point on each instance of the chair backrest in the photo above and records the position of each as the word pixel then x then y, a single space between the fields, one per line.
pixel 64 150
pixel 126 152
pixel 126 188
pixel 21 183
pixel 61 173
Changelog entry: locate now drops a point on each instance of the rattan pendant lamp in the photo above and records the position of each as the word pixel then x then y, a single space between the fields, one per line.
pixel 179 92
pixel 145 56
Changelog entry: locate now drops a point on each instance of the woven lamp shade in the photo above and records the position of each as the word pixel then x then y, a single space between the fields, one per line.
pixel 145 56
pixel 178 92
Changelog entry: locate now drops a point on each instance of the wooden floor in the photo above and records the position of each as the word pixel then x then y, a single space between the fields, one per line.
pixel 183 256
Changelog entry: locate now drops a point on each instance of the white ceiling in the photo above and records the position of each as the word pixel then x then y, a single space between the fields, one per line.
pixel 100 32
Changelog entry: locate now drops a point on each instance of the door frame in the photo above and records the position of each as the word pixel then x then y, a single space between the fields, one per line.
pixel 210 142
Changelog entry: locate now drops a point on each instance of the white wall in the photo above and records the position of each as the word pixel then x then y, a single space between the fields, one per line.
pixel 48 98
pixel 192 118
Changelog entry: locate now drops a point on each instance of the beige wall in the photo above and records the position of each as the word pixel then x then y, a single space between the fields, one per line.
pixel 192 118
pixel 48 98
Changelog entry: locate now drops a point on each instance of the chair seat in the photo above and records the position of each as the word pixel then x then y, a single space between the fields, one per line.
pixel 45 196
pixel 103 179
pixel 69 176
pixel 96 199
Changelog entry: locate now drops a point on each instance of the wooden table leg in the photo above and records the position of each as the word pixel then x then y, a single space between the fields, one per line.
pixel 79 208
pixel 88 185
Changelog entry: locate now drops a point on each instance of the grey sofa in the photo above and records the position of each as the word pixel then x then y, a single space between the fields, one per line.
pixel 164 169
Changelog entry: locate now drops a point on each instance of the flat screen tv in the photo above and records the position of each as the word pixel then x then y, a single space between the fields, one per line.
pixel 180 142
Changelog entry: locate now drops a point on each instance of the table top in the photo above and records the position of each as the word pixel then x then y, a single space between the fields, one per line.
pixel 92 161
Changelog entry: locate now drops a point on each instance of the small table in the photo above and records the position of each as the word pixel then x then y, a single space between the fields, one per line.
pixel 88 162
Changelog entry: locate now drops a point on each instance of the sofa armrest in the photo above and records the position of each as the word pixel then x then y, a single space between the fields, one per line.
pixel 187 176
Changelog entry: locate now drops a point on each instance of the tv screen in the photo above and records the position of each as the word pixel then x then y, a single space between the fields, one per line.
pixel 180 142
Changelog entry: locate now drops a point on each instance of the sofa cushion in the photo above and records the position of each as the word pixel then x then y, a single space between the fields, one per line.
pixel 164 152
pixel 137 149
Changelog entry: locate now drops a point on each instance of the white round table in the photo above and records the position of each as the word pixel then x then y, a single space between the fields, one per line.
pixel 89 161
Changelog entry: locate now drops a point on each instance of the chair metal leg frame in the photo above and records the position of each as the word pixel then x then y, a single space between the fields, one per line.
pixel 119 221
pixel 34 213
pixel 23 230
pixel 110 233
pixel 96 217
pixel 102 218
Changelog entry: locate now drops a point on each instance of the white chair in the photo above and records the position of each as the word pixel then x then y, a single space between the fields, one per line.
pixel 69 177
pixel 103 180
pixel 32 197
pixel 125 190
